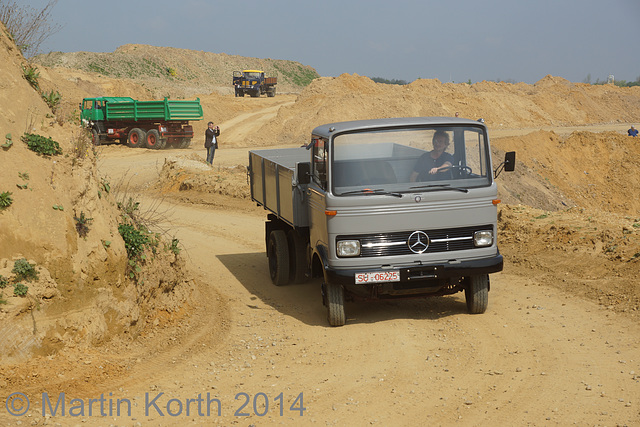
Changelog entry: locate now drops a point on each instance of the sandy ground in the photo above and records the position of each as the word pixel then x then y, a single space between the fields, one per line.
pixel 264 355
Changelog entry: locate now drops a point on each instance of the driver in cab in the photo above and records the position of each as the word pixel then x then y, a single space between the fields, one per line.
pixel 433 164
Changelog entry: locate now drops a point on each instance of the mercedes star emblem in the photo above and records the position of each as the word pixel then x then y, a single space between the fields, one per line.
pixel 418 242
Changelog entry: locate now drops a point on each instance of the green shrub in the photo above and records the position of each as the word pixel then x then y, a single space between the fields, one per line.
pixel 20 290
pixel 135 240
pixel 41 144
pixel 173 247
pixel 3 282
pixel 24 271
pixel 31 74
pixel 52 99
pixel 5 200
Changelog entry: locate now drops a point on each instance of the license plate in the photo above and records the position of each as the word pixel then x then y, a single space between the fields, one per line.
pixel 378 277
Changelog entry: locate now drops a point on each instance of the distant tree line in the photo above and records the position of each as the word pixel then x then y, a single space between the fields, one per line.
pixel 620 83
pixel 389 82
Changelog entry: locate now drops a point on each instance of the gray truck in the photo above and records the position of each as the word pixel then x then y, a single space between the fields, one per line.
pixel 366 206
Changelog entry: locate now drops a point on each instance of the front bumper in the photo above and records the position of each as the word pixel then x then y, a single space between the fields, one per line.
pixel 423 273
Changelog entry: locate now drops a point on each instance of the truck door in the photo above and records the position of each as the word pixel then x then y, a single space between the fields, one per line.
pixel 317 195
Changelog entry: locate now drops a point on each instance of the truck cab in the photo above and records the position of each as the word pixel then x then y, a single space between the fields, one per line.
pixel 394 208
pixel 253 83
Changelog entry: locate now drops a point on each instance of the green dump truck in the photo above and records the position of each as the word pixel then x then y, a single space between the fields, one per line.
pixel 148 124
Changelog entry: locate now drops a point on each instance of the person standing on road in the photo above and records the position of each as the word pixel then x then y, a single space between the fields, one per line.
pixel 211 141
pixel 632 132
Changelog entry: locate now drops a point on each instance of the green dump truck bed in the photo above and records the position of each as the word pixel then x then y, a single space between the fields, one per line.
pixel 130 109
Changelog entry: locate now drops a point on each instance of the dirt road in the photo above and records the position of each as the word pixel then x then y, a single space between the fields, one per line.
pixel 264 355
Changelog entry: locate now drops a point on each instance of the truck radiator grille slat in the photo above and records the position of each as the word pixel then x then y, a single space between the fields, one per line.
pixel 440 240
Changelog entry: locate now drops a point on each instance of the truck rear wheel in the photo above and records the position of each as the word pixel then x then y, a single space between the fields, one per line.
pixel 271 92
pixel 335 304
pixel 185 143
pixel 136 138
pixel 298 257
pixel 477 294
pixel 278 254
pixel 154 141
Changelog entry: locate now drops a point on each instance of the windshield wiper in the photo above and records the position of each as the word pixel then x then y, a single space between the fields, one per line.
pixel 439 187
pixel 368 191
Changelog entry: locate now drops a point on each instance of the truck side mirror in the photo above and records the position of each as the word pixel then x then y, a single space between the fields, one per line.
pixel 508 165
pixel 510 161
pixel 303 173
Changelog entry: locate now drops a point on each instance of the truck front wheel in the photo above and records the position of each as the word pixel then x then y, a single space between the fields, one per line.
pixel 477 294
pixel 95 137
pixel 278 254
pixel 335 304
pixel 136 138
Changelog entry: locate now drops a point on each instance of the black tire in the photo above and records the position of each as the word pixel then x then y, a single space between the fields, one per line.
pixel 477 294
pixel 271 92
pixel 255 93
pixel 185 143
pixel 154 141
pixel 278 254
pixel 335 304
pixel 95 137
pixel 136 138
pixel 297 257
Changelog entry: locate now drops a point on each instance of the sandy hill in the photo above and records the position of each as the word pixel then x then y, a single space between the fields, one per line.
pixel 178 73
pixel 83 293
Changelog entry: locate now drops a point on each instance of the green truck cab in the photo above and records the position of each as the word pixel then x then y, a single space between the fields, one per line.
pixel 150 124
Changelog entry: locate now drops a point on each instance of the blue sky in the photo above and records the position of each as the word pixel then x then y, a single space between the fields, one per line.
pixel 451 40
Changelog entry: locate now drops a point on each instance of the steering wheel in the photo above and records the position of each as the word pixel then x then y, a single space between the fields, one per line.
pixel 462 170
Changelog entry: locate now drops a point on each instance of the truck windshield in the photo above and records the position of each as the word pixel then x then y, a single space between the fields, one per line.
pixel 439 158
pixel 251 75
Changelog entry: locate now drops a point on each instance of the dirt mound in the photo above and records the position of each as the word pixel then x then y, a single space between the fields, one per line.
pixel 60 216
pixel 550 102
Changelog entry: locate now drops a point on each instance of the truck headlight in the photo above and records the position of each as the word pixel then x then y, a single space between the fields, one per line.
pixel 483 238
pixel 348 248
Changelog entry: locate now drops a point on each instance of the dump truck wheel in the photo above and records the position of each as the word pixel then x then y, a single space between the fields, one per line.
pixel 298 257
pixel 95 138
pixel 136 138
pixel 335 304
pixel 153 140
pixel 272 92
pixel 477 294
pixel 278 254
pixel 185 143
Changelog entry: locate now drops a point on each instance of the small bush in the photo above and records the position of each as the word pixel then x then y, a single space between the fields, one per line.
pixel 31 74
pixel 3 282
pixel 41 144
pixel 135 240
pixel 24 271
pixel 20 290
pixel 5 200
pixel 82 224
pixel 173 247
pixel 52 99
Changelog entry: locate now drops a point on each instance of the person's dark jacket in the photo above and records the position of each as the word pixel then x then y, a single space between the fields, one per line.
pixel 208 137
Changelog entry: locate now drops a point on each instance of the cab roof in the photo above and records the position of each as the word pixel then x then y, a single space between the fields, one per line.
pixel 357 125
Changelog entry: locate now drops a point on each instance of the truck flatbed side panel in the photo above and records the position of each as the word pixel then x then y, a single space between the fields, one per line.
pixel 155 110
pixel 272 172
